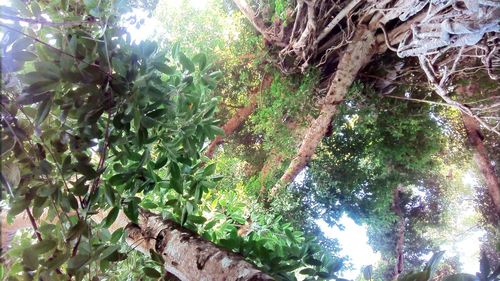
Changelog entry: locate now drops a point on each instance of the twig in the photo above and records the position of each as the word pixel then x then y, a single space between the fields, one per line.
pixel 419 100
pixel 46 22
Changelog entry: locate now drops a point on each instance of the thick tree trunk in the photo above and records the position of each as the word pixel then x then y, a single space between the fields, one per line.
pixel 355 57
pixel 400 233
pixel 240 117
pixel 482 160
pixel 187 256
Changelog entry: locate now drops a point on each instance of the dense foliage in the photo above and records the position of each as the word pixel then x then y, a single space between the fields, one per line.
pixel 95 124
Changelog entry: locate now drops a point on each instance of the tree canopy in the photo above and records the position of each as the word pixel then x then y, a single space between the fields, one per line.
pixel 213 149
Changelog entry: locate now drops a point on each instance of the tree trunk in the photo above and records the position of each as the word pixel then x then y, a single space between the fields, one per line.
pixel 187 255
pixel 355 57
pixel 240 117
pixel 400 233
pixel 481 157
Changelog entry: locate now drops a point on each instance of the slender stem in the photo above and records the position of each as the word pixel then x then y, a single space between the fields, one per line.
pixel 46 22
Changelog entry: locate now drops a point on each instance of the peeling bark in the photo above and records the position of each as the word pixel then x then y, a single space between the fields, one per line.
pixel 240 117
pixel 355 57
pixel 482 160
pixel 187 255
pixel 400 233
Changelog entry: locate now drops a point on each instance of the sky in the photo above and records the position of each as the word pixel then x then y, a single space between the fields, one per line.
pixel 354 243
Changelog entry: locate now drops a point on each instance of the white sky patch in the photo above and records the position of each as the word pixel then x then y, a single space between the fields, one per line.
pixel 144 31
pixel 354 243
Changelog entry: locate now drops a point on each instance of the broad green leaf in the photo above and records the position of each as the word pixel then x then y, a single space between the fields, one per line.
pixel 23 55
pixel 30 259
pixel 460 277
pixel 109 194
pixel 148 204
pixel 44 246
pixel 186 62
pixel 209 170
pixel 109 251
pixel 308 271
pixel 77 262
pixel 111 217
pixel 132 211
pixel 201 59
pixel 197 219
pixel 43 111
pixel 12 174
pixel 156 257
pixel 117 235
pixel 151 272
pixel 119 179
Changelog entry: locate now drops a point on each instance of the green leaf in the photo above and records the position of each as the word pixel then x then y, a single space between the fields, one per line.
pixel 86 170
pixel 163 68
pixel 80 188
pixel 30 259
pixel 117 234
pixel 109 251
pixel 151 272
pixel 367 272
pixel 209 170
pixel 184 215
pixel 217 130
pixel 308 271
pixel 175 171
pixel 460 277
pixel 161 161
pixel 19 206
pixel 148 204
pixel 23 55
pixel 201 59
pixel 76 230
pixel 119 179
pixel 484 265
pixel 156 257
pixel 109 194
pixel 186 62
pixel 57 260
pixel 197 219
pixel 44 246
pixel 43 111
pixel 111 217
pixel 132 211
pixel 312 261
pixel 77 262
pixel 175 49
pixel 11 173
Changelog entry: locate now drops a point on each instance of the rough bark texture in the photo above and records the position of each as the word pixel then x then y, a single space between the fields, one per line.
pixel 240 117
pixel 400 233
pixel 355 57
pixel 256 21
pixel 482 160
pixel 187 256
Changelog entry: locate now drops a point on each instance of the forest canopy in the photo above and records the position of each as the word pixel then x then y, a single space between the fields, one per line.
pixel 250 140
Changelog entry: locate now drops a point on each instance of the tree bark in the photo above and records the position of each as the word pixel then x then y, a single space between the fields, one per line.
pixel 240 117
pixel 481 157
pixel 355 57
pixel 187 255
pixel 400 233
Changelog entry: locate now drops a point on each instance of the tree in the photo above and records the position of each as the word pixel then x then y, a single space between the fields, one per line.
pixel 315 38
